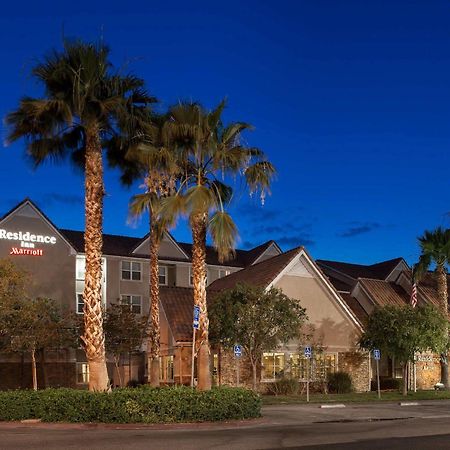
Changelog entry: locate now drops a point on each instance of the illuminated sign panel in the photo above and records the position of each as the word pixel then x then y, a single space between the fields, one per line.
pixel 27 242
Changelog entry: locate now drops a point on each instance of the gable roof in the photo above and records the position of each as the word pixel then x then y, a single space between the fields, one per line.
pixel 31 204
pixel 260 274
pixel 377 271
pixel 243 258
pixel 384 293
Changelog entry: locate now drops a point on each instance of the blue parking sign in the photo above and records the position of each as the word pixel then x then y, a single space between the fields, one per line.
pixel 308 352
pixel 237 351
pixel 196 323
pixel 377 354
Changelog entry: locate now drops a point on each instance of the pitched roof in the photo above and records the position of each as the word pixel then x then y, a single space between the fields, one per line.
pixel 260 274
pixel 112 244
pixel 178 304
pixel 243 258
pixel 378 271
pixel 355 307
pixel 385 293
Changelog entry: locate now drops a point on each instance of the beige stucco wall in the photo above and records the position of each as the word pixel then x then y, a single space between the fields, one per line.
pixel 53 273
pixel 332 327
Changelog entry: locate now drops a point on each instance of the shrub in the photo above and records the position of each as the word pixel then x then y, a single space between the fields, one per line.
pixel 340 383
pixel 387 384
pixel 283 386
pixel 130 405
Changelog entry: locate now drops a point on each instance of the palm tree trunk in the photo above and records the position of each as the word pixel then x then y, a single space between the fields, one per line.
pixel 443 300
pixel 154 332
pixel 198 225
pixel 94 338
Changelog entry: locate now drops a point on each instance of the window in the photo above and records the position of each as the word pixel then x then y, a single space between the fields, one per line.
pixel 320 366
pixel 272 366
pixel 166 368
pixel 131 270
pixel 80 303
pixel 82 373
pixel 134 301
pixel 191 277
pixel 80 268
pixel 163 275
pixel 223 273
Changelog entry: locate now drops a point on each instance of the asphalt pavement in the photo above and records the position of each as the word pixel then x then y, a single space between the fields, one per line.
pixel 357 426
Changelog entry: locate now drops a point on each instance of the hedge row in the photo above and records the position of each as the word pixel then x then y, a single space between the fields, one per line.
pixel 141 405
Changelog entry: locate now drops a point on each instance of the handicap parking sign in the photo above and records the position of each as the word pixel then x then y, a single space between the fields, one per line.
pixel 377 354
pixel 308 352
pixel 237 351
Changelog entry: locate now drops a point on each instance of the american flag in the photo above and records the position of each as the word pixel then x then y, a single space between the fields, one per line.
pixel 414 295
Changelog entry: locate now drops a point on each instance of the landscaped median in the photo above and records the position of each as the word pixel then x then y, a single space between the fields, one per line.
pixel 389 396
pixel 130 405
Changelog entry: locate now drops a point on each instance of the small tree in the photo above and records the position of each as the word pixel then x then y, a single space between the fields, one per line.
pixel 30 325
pixel 401 331
pixel 124 333
pixel 256 318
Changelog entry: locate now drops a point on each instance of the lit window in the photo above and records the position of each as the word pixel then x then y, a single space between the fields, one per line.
pixel 320 366
pixel 82 373
pixel 163 275
pixel 133 301
pixel 166 368
pixel 191 277
pixel 273 366
pixel 131 270
pixel 80 303
pixel 223 273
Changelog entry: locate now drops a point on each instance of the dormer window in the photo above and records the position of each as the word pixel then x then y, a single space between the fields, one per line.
pixel 163 281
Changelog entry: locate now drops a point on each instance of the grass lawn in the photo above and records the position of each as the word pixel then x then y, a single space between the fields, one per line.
pixel 355 397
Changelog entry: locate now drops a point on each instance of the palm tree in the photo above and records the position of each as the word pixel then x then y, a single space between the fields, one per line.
pixel 435 249
pixel 85 102
pixel 209 154
pixel 151 157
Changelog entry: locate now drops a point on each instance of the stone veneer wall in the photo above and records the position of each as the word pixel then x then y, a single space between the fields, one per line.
pixel 228 370
pixel 428 370
pixel 357 365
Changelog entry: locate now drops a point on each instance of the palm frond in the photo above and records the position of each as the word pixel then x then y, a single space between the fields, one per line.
pixel 224 235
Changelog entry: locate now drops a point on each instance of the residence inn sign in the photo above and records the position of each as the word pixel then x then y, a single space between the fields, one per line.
pixel 25 242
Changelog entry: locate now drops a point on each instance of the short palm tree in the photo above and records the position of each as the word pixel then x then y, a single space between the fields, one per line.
pixel 85 102
pixel 209 154
pixel 151 157
pixel 435 249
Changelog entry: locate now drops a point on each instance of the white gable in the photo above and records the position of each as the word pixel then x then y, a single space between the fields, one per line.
pixel 272 250
pixel 300 269
pixel 168 248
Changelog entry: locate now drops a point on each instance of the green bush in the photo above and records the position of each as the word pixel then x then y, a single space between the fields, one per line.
pixel 340 383
pixel 387 384
pixel 283 386
pixel 130 405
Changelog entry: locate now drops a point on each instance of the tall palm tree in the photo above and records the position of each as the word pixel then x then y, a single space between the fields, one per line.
pixel 85 102
pixel 150 157
pixel 210 154
pixel 435 249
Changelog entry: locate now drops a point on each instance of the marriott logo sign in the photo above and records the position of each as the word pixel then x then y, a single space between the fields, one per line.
pixel 27 238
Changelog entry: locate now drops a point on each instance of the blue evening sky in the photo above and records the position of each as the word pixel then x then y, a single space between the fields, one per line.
pixel 350 99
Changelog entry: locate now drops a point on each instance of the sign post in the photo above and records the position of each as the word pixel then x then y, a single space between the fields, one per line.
pixel 308 356
pixel 195 326
pixel 377 356
pixel 237 354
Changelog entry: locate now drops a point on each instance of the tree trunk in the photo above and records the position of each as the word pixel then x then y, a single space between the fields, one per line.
pixel 119 375
pixel 154 331
pixel 443 301
pixel 405 379
pixel 254 384
pixel 198 225
pixel 33 369
pixel 94 338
